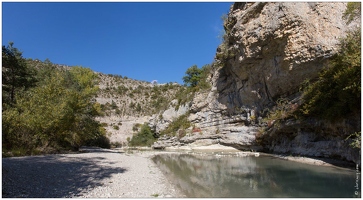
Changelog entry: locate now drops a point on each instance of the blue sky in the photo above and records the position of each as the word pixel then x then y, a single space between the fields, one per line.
pixel 144 41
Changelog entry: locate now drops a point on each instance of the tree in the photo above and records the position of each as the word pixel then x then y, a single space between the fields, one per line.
pixel 57 114
pixel 193 75
pixel 16 75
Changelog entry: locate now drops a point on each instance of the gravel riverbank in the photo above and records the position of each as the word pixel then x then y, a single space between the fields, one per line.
pixel 103 173
pixel 97 173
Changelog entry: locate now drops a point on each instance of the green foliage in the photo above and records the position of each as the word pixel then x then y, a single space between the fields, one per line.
pixel 136 127
pixel 352 12
pixel 16 75
pixel 282 110
pixel 57 114
pixel 184 95
pixel 100 140
pixel 224 50
pixel 337 91
pixel 197 77
pixel 145 137
pixel 138 107
pixel 114 105
pixel 192 76
pixel 160 103
pixel 180 123
pixel 356 137
pixel 203 83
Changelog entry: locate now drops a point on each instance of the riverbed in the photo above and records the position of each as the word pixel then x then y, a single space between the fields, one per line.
pixel 243 174
pixel 211 171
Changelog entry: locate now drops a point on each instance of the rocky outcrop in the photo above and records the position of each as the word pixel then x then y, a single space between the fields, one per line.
pixel 269 50
pixel 159 122
pixel 126 102
pixel 313 137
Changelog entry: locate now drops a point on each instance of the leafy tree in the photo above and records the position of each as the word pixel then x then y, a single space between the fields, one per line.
pixel 197 77
pixel 57 114
pixel 192 76
pixel 16 75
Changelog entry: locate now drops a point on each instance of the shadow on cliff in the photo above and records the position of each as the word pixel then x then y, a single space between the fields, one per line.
pixel 53 176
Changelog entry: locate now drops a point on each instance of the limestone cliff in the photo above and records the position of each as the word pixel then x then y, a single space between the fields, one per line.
pixel 126 102
pixel 269 50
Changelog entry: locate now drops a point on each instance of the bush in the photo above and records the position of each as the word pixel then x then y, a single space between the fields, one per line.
pixel 337 92
pixel 145 137
pixel 136 127
pixel 181 122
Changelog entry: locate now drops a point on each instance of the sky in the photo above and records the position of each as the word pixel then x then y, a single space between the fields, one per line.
pixel 141 40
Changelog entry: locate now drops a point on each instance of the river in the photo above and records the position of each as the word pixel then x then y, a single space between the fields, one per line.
pixel 232 175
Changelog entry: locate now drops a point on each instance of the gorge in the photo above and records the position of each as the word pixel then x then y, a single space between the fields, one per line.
pixel 269 50
pixel 285 79
pixel 284 86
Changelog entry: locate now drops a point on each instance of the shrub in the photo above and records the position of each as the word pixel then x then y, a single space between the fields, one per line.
pixel 282 110
pixel 136 127
pixel 181 122
pixel 145 137
pixel 337 92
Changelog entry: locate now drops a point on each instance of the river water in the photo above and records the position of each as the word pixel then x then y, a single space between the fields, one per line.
pixel 229 175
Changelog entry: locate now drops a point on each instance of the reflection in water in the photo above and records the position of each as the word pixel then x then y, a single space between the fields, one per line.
pixel 264 176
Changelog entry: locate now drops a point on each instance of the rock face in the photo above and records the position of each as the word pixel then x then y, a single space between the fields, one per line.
pixel 269 50
pixel 127 102
pixel 159 122
pixel 313 137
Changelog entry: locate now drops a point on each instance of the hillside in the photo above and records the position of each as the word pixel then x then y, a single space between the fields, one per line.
pixel 126 102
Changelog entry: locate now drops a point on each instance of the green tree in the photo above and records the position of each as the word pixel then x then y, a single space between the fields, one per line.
pixel 192 77
pixel 57 114
pixel 197 77
pixel 16 76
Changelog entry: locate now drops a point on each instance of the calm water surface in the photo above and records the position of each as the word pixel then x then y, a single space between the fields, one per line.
pixel 210 175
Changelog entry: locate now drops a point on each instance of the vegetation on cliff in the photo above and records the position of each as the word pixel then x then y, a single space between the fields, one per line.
pixel 337 91
pixel 335 95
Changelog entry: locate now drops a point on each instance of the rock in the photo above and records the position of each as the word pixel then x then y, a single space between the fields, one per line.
pixel 268 51
pixel 312 138
pixel 272 48
pixel 161 121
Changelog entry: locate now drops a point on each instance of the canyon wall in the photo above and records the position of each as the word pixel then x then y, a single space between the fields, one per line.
pixel 269 50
